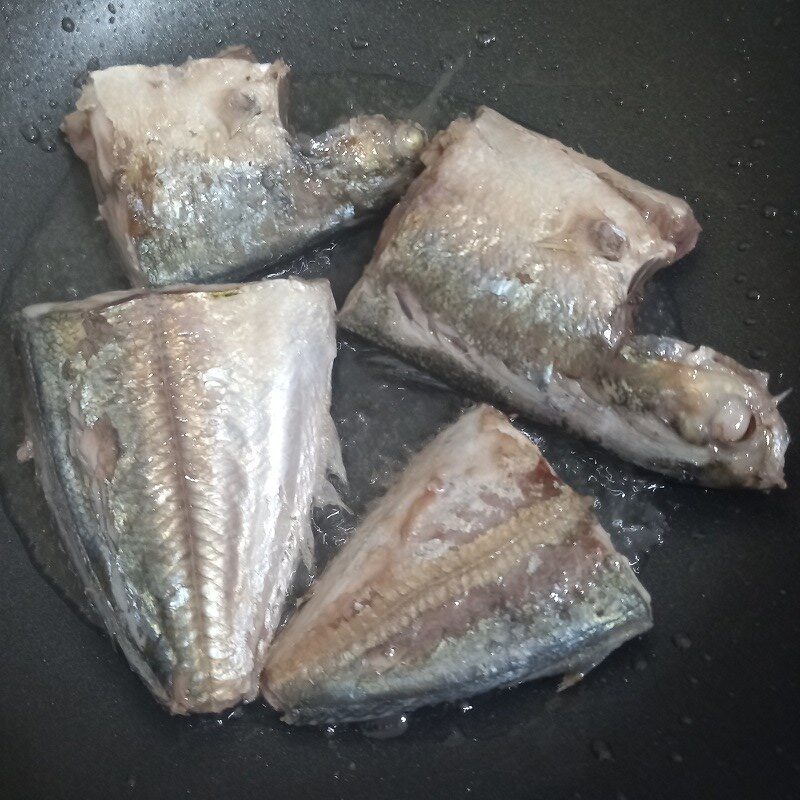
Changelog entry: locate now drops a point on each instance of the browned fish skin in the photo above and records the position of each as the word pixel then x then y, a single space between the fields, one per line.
pixel 181 437
pixel 199 180
pixel 478 569
pixel 513 265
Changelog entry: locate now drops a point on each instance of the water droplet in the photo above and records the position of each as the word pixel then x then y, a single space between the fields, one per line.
pixel 230 24
pixel 465 707
pixel 52 103
pixel 757 354
pixel 788 232
pixel 259 34
pixel 757 142
pixel 330 731
pixel 485 39
pixel 744 246
pixel 640 664
pixel 206 24
pixel 446 63
pixel 30 133
pixel 686 719
pixel 676 758
pixel 641 110
pixel 681 641
pixel 358 43
pixel 754 294
pixel 601 750
pixel 740 277
pixel 112 9
pixel 769 211
pixel 750 321
pixel 68 24
pixel 47 145
pixel 386 728
pixel 645 85
pixel 735 162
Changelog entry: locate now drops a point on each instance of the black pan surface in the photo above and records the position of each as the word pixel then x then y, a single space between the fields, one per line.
pixel 698 98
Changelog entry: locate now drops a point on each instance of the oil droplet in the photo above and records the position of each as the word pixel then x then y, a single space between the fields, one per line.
pixel 681 641
pixel 68 24
pixel 485 39
pixel 640 665
pixel 601 750
pixel 676 758
pixel 744 246
pixel 686 719
pixel 769 211
pixel 112 20
pixel 358 43
pixel 757 354
pixel 788 232
pixel 93 64
pixel 385 728
pixel 112 9
pixel 30 133
pixel 757 142
pixel 754 294
pixel 740 277
pixel 446 63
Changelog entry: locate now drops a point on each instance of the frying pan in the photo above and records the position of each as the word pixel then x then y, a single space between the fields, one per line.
pixel 698 98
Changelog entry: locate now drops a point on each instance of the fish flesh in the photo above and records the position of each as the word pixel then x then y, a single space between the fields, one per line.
pixel 198 179
pixel 181 437
pixel 513 266
pixel 478 569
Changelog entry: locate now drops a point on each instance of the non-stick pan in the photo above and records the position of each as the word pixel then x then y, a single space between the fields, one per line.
pixel 698 98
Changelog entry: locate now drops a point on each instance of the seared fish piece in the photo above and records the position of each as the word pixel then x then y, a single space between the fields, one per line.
pixel 180 437
pixel 479 568
pixel 513 266
pixel 198 179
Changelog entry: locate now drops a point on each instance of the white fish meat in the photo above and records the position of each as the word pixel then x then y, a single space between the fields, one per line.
pixel 199 180
pixel 513 266
pixel 478 569
pixel 181 437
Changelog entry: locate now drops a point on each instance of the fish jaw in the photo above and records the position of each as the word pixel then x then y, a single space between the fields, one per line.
pixel 180 438
pixel 478 569
pixel 208 184
pixel 529 300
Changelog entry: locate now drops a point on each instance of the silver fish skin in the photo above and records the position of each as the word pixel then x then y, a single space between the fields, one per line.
pixel 198 179
pixel 513 267
pixel 478 569
pixel 181 437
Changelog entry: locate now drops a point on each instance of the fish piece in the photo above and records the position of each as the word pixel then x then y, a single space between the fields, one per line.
pixel 181 437
pixel 479 568
pixel 513 266
pixel 198 179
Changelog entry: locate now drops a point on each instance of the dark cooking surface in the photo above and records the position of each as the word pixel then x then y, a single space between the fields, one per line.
pixel 704 706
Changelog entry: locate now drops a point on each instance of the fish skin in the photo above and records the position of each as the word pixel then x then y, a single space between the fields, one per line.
pixel 181 437
pixel 513 267
pixel 198 179
pixel 478 569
